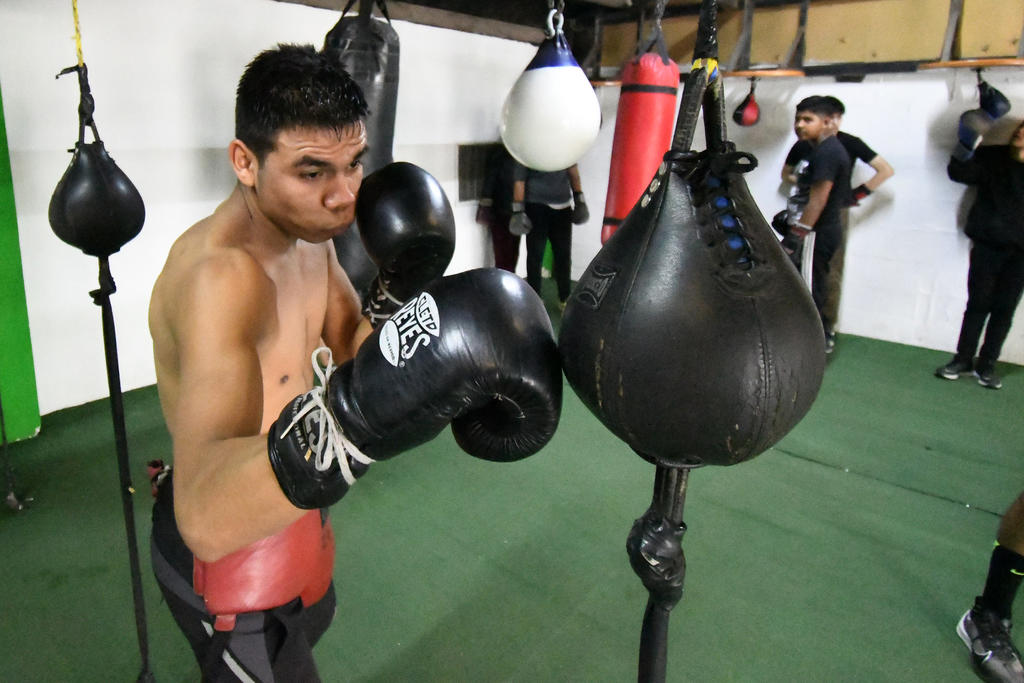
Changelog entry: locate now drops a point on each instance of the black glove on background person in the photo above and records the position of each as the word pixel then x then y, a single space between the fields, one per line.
pixel 519 224
pixel 580 212
pixel 475 350
pixel 859 193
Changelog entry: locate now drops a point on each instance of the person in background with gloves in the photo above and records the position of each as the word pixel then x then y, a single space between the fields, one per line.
pixel 545 206
pixel 995 224
pixel 857 149
pixel 495 207
pixel 248 317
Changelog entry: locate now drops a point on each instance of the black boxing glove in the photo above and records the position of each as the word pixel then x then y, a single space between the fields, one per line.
pixel 780 222
pixel 519 224
pixel 970 132
pixel 408 230
pixel 991 101
pixel 580 212
pixel 474 350
pixel 859 193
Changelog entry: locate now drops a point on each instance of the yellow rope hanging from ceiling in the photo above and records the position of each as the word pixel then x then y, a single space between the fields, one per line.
pixel 78 32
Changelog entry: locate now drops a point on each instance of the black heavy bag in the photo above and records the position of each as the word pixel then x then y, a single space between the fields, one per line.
pixel 95 207
pixel 691 336
pixel 368 49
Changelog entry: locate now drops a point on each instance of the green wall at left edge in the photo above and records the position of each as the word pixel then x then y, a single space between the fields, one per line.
pixel 17 371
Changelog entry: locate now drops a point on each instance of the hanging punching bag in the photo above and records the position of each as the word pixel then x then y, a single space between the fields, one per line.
pixel 748 112
pixel 368 49
pixel 690 335
pixel 95 207
pixel 551 115
pixel 643 133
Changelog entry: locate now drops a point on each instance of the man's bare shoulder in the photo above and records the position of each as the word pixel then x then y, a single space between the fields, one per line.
pixel 209 268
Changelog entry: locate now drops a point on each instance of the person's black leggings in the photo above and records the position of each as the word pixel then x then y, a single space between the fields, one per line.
pixel 826 241
pixel 555 225
pixel 995 281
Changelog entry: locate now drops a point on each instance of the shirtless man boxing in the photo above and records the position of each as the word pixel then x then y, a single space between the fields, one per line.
pixel 249 317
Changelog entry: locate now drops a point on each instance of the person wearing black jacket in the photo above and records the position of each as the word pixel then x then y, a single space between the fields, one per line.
pixel 995 279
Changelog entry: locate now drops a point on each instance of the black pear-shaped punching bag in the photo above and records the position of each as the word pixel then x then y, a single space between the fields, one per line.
pixel 95 207
pixel 368 49
pixel 691 336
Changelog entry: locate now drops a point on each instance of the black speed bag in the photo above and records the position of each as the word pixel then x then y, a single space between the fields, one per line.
pixel 691 336
pixel 95 207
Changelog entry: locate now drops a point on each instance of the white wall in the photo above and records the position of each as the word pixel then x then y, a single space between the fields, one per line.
pixel 163 75
pixel 906 266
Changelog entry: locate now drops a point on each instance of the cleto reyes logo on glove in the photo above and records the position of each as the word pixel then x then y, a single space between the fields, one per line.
pixel 410 327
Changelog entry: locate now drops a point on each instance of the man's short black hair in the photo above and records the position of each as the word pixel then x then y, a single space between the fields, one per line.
pixel 294 86
pixel 815 104
pixel 837 105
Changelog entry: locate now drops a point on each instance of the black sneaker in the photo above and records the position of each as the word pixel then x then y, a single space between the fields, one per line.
pixel 988 378
pixel 992 652
pixel 954 369
pixel 830 342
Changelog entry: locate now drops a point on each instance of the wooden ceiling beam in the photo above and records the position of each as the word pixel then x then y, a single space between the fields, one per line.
pixel 441 18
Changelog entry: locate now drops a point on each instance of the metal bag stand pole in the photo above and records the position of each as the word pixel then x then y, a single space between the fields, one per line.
pixel 96 208
pixel 656 555
pixel 12 498
pixel 101 297
pixel 655 541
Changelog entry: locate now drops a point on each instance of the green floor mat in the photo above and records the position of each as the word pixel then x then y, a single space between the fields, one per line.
pixel 846 553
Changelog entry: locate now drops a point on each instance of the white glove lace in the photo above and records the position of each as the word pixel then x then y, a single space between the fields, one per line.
pixel 383 294
pixel 333 445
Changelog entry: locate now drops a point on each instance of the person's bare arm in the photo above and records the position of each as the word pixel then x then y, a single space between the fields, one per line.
pixel 788 175
pixel 226 494
pixel 883 171
pixel 574 179
pixel 519 191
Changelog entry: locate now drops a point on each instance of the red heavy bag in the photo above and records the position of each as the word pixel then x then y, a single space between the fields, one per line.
pixel 643 133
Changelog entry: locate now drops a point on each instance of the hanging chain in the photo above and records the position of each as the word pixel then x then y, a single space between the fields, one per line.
pixel 556 16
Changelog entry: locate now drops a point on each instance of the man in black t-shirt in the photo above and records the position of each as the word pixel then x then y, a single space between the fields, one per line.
pixel 822 189
pixel 857 149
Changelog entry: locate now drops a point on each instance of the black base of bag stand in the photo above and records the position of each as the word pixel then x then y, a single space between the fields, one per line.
pixel 11 500
pixel 101 297
pixel 656 555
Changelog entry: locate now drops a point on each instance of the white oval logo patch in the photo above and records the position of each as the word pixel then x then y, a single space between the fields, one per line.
pixel 411 327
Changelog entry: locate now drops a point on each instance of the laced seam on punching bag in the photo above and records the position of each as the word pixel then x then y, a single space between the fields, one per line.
pixel 728 228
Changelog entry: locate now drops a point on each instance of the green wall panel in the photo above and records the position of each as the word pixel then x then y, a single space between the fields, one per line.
pixel 17 371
